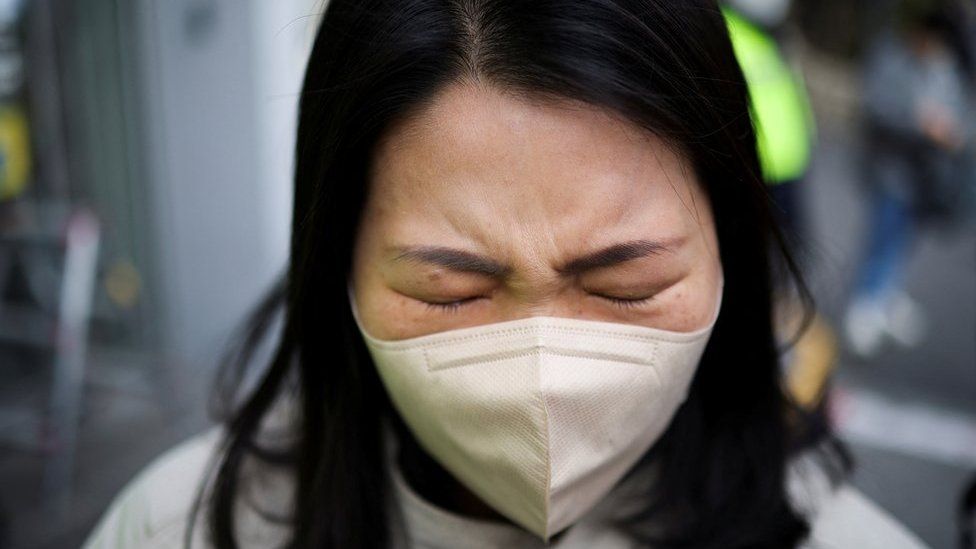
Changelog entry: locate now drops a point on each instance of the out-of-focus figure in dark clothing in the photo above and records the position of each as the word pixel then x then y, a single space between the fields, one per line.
pixel 785 139
pixel 918 160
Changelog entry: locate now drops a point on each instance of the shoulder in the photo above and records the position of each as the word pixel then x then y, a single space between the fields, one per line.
pixel 153 509
pixel 840 515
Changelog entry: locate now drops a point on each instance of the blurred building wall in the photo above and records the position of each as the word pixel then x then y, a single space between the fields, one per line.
pixel 219 80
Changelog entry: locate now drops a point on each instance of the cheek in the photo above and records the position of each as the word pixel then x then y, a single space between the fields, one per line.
pixel 690 304
pixel 373 307
pixel 681 308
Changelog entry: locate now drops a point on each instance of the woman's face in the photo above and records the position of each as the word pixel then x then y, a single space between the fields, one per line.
pixel 519 209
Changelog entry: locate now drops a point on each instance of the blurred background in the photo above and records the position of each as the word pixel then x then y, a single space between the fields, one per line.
pixel 145 194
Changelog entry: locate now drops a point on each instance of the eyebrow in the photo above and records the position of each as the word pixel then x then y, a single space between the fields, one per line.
pixel 468 262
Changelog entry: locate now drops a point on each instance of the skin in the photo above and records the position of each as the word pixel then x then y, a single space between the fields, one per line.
pixel 933 118
pixel 530 186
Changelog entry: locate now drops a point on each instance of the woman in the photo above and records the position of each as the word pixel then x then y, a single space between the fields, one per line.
pixel 528 301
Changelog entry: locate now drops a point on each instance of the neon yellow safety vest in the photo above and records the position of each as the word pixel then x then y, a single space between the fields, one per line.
pixel 15 152
pixel 780 108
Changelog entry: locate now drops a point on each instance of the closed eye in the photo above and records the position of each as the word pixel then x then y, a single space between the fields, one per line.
pixel 626 303
pixel 455 306
pixel 450 306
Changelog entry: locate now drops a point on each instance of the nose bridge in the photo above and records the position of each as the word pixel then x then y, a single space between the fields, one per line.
pixel 554 306
pixel 543 297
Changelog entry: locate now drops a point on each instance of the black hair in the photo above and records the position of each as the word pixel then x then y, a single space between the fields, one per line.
pixel 667 66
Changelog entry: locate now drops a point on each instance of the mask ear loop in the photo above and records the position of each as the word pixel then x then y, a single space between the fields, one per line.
pixel 352 302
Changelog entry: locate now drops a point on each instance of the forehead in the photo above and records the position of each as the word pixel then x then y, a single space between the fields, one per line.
pixel 487 123
pixel 476 156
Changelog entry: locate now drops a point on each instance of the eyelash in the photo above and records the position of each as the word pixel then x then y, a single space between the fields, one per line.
pixel 451 306
pixel 454 306
pixel 627 303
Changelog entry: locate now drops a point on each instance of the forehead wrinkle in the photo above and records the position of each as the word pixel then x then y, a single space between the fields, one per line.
pixel 470 225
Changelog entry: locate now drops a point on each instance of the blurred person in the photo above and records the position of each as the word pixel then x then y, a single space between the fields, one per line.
pixel 918 151
pixel 781 112
pixel 528 304
pixel 785 134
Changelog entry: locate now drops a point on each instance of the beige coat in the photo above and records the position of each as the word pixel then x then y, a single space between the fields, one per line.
pixel 151 512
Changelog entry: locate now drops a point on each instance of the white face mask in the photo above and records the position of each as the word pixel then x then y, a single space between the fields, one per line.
pixel 539 417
